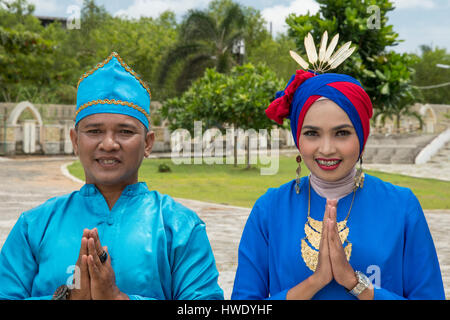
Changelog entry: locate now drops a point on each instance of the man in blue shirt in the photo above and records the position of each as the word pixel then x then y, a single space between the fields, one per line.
pixel 114 238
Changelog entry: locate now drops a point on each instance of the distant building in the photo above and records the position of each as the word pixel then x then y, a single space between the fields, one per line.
pixel 45 21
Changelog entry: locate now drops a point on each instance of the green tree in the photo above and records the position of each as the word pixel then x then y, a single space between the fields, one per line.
pixel 204 42
pixel 260 47
pixel 142 43
pixel 43 65
pixel 24 53
pixel 429 74
pixel 254 28
pixel 18 12
pixel 398 105
pixel 385 74
pixel 275 54
pixel 237 99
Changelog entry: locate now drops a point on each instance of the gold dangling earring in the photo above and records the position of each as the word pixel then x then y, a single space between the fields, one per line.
pixel 359 177
pixel 298 171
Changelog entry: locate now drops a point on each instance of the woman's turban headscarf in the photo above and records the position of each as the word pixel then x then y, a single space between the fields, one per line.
pixel 305 88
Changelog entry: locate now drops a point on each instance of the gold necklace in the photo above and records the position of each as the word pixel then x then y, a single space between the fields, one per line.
pixel 313 233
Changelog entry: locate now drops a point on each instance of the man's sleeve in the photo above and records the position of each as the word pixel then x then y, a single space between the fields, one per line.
pixel 194 272
pixel 18 266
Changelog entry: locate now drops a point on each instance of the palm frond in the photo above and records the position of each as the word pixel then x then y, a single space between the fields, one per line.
pixel 178 53
pixel 231 39
pixel 198 25
pixel 193 68
pixel 233 17
pixel 204 40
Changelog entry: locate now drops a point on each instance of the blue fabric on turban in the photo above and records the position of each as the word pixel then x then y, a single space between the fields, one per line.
pixel 342 89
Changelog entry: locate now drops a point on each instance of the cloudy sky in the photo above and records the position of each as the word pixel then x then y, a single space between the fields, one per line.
pixel 417 21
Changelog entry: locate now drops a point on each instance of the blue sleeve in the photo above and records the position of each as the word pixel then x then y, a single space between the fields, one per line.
pixel 279 296
pixel 422 278
pixel 252 274
pixel 194 272
pixel 18 266
pixel 137 297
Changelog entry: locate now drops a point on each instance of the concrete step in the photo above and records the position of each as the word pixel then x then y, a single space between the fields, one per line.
pixel 440 159
pixel 443 152
pixel 442 156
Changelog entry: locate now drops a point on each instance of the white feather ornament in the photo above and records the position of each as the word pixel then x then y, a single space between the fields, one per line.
pixel 323 47
pixel 331 47
pixel 325 60
pixel 344 55
pixel 299 60
pixel 340 51
pixel 310 48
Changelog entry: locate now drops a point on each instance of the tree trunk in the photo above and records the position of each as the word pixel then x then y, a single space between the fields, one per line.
pixel 247 149
pixel 235 149
pixel 397 122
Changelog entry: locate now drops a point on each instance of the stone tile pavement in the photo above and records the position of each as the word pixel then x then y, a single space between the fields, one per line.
pixel 27 182
pixel 440 171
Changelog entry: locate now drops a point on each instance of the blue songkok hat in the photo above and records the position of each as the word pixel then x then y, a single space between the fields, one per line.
pixel 113 87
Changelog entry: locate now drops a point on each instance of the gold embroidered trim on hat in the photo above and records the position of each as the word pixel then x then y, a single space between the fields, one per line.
pixel 102 64
pixel 112 101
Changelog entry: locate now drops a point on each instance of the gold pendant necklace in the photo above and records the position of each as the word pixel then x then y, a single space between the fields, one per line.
pixel 313 233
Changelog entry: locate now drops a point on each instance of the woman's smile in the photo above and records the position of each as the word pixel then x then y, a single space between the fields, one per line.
pixel 328 142
pixel 328 164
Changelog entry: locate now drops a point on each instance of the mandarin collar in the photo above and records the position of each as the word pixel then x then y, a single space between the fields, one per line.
pixel 130 190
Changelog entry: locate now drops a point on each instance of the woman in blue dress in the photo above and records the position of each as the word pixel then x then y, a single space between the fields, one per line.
pixel 336 234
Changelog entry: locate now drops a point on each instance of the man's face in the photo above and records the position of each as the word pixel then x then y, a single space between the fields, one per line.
pixel 111 148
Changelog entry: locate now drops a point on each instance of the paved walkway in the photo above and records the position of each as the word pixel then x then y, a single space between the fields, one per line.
pixel 439 171
pixel 27 182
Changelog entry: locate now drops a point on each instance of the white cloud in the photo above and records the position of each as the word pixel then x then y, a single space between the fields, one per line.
pixel 277 14
pixel 424 4
pixel 46 7
pixel 153 8
pixel 54 8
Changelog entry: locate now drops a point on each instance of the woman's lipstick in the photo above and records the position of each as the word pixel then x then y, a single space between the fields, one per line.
pixel 328 164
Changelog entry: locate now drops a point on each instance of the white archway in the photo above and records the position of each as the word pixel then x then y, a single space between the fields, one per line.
pixel 17 111
pixel 429 118
pixel 28 127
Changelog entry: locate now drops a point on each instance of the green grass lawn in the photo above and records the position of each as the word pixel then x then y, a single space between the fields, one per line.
pixel 239 186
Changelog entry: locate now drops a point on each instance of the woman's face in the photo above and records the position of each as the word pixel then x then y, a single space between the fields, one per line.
pixel 328 142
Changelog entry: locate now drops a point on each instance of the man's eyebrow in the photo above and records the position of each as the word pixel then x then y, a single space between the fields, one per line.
pixel 127 125
pixel 99 124
pixel 92 125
